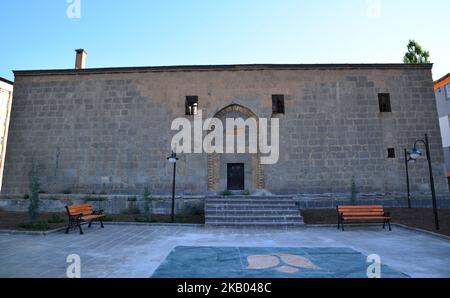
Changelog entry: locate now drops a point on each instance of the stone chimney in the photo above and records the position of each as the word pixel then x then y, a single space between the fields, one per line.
pixel 80 62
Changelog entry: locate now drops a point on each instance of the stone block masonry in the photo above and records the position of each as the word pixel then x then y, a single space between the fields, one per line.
pixel 108 130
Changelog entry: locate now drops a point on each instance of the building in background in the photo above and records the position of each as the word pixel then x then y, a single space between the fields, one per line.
pixel 109 131
pixel 442 91
pixel 6 91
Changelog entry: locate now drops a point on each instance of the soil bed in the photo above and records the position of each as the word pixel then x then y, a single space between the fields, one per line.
pixel 14 220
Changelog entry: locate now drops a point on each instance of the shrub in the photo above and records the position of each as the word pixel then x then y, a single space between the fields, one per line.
pixel 33 208
pixel 148 206
pixel 226 193
pixel 190 211
pixel 55 219
pixel 142 219
pixel 131 211
pixel 353 191
pixel 246 192
pixel 108 218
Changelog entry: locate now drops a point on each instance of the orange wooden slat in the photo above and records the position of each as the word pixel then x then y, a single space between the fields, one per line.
pixel 361 207
pixel 363 213
pixel 367 218
pixel 89 217
pixel 361 210
pixel 80 209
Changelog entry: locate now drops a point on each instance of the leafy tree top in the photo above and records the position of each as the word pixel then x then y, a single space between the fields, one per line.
pixel 415 54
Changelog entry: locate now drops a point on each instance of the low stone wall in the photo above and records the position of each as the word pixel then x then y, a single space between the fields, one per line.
pixel 327 201
pixel 116 204
pixel 111 204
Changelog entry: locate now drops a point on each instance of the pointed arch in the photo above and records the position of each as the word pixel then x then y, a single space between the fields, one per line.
pixel 214 158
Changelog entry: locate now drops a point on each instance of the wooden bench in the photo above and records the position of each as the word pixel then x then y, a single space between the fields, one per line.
pixel 363 214
pixel 83 213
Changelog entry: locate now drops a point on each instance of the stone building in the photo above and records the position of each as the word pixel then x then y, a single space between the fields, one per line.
pixel 6 93
pixel 109 130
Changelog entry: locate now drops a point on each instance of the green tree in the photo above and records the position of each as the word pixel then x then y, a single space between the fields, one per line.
pixel 33 208
pixel 353 191
pixel 415 54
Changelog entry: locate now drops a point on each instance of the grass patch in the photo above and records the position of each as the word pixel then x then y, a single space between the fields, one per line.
pixel 37 226
pixel 143 219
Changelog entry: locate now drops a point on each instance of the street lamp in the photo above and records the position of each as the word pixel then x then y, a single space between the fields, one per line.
pixel 414 154
pixel 173 160
pixel 407 161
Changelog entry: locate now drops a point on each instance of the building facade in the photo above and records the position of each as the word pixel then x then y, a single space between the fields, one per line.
pixel 109 130
pixel 6 94
pixel 442 93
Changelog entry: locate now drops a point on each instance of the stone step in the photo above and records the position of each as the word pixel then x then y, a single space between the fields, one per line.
pixel 250 197
pixel 259 222
pixel 268 218
pixel 255 224
pixel 248 202
pixel 251 212
pixel 251 206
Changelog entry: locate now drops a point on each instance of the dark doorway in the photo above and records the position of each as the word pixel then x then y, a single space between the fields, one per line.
pixel 235 177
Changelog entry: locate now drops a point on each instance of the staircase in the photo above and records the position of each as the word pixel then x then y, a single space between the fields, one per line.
pixel 252 211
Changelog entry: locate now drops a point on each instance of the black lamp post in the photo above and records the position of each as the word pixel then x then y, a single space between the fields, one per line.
pixel 414 154
pixel 173 159
pixel 407 160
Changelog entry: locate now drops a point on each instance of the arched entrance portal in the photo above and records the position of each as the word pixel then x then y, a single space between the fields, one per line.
pixel 222 168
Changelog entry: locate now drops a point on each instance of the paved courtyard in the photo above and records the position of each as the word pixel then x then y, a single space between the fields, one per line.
pixel 138 251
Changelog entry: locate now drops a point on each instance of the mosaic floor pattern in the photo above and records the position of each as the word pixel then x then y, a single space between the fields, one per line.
pixel 267 262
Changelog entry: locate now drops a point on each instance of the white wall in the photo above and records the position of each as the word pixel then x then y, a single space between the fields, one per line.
pixel 445 131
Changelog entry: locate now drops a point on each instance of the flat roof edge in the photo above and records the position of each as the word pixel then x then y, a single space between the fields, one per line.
pixel 6 81
pixel 234 67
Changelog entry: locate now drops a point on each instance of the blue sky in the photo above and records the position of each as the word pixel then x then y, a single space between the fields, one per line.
pixel 39 34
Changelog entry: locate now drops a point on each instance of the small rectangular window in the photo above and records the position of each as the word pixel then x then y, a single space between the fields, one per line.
pixel 278 104
pixel 384 100
pixel 191 105
pixel 391 153
pixel 447 91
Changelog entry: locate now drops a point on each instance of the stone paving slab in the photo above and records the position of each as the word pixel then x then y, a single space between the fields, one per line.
pixel 137 251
